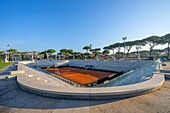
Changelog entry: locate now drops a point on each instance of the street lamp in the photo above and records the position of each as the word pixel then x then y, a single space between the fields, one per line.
pixel 138 48
pixel 8 52
pixel 113 54
pixel 90 45
pixel 124 38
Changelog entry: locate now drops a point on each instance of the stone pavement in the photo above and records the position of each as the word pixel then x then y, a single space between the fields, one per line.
pixel 5 70
pixel 14 100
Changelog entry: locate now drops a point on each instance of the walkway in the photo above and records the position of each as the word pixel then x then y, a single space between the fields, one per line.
pixel 5 70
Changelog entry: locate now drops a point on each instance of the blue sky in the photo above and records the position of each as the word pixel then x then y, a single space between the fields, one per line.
pixel 38 25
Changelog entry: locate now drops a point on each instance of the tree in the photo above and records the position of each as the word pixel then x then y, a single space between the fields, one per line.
pixel 82 56
pixel 87 48
pixel 110 47
pixel 70 51
pixel 63 52
pixel 12 50
pixel 152 41
pixel 77 55
pixel 114 46
pixel 42 52
pixel 67 52
pixel 166 40
pixel 86 54
pixel 106 52
pixel 138 45
pixel 118 47
pixel 106 48
pixel 51 51
pixel 96 51
pixel 22 55
pixel 59 53
pixel 129 46
pixel 1 53
pixel 91 50
pixel 45 54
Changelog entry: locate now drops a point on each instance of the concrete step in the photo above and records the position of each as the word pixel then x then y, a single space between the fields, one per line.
pixel 167 75
pixel 165 70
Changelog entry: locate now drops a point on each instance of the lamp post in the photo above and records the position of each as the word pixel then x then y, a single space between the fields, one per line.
pixel 113 54
pixel 90 45
pixel 124 38
pixel 7 52
pixel 89 53
pixel 138 48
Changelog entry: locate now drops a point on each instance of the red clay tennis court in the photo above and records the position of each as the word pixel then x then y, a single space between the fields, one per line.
pixel 81 76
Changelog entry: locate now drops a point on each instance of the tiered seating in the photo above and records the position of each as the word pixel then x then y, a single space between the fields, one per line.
pixel 40 77
pixel 48 63
pixel 79 63
pixel 118 66
pixel 124 65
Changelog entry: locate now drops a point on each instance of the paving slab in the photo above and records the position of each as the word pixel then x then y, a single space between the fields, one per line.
pixel 15 100
pixel 6 70
pixel 73 106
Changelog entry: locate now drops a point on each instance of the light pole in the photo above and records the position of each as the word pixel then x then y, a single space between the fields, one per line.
pixel 124 38
pixel 8 52
pixel 138 48
pixel 113 54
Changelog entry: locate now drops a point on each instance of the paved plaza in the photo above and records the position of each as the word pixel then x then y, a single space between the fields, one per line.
pixel 14 100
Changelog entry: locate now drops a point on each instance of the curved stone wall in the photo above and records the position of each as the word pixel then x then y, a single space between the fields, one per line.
pixel 50 90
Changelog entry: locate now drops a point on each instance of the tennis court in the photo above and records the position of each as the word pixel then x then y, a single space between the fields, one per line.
pixel 78 75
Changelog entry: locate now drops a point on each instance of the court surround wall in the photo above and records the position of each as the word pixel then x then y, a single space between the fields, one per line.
pixel 50 90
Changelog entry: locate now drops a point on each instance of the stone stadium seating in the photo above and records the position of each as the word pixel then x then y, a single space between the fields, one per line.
pixel 48 63
pixel 43 84
pixel 39 77
pixel 118 66
pixel 124 65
